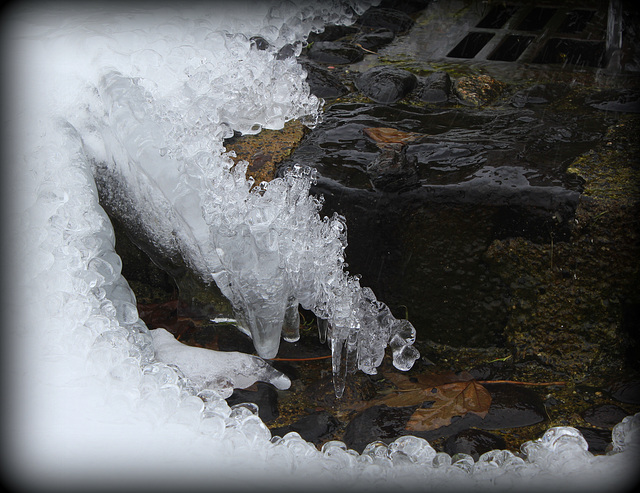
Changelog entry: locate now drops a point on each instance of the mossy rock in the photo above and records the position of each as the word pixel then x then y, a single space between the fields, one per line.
pixel 478 90
pixel 265 150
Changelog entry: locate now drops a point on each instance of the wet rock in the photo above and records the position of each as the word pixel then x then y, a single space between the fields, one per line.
pixel 473 442
pixel 627 392
pixel 265 150
pixel 382 423
pixel 478 90
pixel 391 19
pixel 604 416
pixel 598 440
pixel 140 271
pixel 375 40
pixel 624 100
pixel 391 171
pixel 444 163
pixel 332 33
pixel 265 396
pixel 539 94
pixel 386 84
pixel 334 52
pixel 483 175
pixel 512 406
pixel 436 88
pixel 314 427
pixel 495 370
pixel 323 83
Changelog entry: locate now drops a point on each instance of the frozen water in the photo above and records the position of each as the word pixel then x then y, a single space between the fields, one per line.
pixel 150 97
pixel 95 397
pixel 213 369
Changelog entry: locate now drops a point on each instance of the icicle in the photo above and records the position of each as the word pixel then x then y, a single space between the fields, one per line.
pixel 351 345
pixel 339 364
pixel 323 323
pixel 265 322
pixel 291 325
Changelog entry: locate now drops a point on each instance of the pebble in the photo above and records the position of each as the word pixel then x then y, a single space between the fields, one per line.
pixel 598 440
pixel 627 392
pixel 332 33
pixel 375 40
pixel 436 88
pixel 382 423
pixel 478 90
pixel 323 83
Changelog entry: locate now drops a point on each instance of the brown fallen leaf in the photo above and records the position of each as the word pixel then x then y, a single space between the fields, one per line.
pixel 449 394
pixel 449 400
pixel 386 135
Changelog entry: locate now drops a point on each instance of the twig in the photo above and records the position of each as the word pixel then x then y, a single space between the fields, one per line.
pixel 512 382
pixel 363 48
pixel 301 359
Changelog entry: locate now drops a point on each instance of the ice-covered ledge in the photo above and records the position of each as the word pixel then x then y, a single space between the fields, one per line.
pixel 217 370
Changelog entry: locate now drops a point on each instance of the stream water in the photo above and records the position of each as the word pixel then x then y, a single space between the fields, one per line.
pixel 481 176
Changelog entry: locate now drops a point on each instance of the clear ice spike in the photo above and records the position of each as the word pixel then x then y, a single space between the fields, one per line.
pixel 322 329
pixel 265 322
pixel 291 325
pixel 339 364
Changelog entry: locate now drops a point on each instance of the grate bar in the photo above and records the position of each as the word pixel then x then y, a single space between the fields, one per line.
pixel 537 34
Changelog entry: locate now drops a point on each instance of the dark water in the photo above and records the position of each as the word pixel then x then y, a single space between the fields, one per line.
pixel 470 177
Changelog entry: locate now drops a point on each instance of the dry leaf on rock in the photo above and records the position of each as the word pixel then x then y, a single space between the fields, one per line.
pixel 386 135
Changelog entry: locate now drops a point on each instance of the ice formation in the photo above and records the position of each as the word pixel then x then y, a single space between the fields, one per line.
pixel 93 400
pixel 152 96
pixel 222 371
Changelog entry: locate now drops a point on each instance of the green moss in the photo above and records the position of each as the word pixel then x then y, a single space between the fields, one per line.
pixel 568 297
pixel 611 171
pixel 266 149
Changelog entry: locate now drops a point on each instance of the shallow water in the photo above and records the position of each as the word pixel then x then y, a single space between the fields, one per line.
pixel 482 174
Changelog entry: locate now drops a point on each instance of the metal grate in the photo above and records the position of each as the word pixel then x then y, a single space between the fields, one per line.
pixel 472 43
pixel 497 17
pixel 537 34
